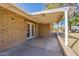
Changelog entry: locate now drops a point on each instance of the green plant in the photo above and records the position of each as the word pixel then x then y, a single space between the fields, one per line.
pixel 73 21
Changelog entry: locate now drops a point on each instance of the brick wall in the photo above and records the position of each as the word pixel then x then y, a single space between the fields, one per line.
pixel 44 29
pixel 12 29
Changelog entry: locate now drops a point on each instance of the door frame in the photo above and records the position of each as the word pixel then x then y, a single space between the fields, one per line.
pixel 30 23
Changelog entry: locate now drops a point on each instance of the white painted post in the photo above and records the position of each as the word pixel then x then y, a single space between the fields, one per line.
pixel 66 28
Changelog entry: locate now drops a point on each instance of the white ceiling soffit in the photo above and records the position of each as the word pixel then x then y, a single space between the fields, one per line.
pixel 49 17
pixel 50 11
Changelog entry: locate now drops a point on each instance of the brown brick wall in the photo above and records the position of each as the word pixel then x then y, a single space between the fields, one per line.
pixel 44 29
pixel 36 30
pixel 13 29
pixel 12 32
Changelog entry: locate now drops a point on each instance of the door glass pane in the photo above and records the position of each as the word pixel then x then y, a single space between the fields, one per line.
pixel 32 30
pixel 28 30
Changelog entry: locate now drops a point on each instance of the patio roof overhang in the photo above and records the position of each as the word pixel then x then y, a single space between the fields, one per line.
pixel 46 16
pixel 53 17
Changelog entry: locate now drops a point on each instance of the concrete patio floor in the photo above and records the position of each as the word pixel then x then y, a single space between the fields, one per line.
pixel 42 46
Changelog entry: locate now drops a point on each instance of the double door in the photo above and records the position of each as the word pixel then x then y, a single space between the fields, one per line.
pixel 30 30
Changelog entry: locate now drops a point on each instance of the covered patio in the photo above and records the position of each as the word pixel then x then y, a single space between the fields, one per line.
pixel 31 34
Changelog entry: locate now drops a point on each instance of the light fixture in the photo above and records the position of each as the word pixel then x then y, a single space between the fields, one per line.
pixel 43 14
pixel 12 18
pixel 24 19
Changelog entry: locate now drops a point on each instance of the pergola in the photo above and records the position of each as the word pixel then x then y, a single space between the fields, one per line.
pixel 54 16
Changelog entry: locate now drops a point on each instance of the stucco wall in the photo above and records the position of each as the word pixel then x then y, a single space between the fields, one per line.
pixel 44 29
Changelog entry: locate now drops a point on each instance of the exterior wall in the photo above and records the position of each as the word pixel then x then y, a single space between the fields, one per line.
pixel 36 30
pixel 44 29
pixel 12 31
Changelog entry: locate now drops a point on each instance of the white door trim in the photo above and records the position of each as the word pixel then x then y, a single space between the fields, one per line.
pixel 31 30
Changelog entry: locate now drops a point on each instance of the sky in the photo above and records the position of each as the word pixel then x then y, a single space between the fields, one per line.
pixel 31 7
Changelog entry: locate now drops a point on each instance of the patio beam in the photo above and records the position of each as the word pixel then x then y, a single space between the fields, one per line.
pixel 66 27
pixel 49 11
